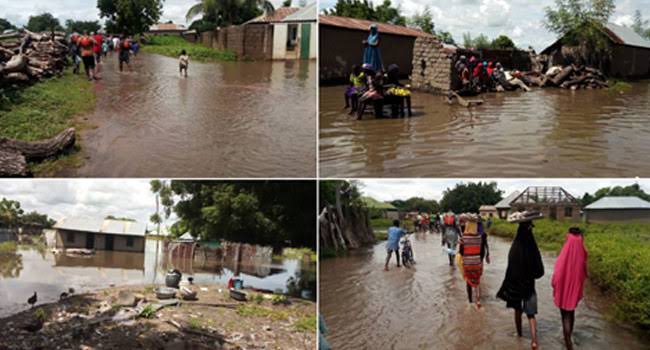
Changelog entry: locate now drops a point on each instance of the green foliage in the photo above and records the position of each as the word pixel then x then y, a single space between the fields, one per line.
pixel 147 312
pixel 306 324
pixel 252 310
pixel 418 204
pixel 40 314
pixel 364 9
pixel 5 25
pixel 45 109
pixel 380 235
pixel 194 323
pixel 503 42
pixel 286 3
pixel 44 22
pixel 8 247
pixel 298 253
pixel 445 37
pixel 259 212
pixel 225 13
pixel 633 190
pixel 349 190
pixel 619 260
pixel 130 16
pixel 35 217
pixel 423 20
pixel 279 299
pixel 469 197
pixel 10 213
pixel 258 298
pixel 172 46
pixel 72 26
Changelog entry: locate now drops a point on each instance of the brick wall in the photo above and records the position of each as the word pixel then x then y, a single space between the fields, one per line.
pixel 432 66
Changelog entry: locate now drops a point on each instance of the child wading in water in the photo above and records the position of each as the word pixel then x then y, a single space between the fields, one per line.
pixel 184 62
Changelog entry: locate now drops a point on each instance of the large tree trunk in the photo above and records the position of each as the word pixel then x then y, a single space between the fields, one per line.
pixel 14 154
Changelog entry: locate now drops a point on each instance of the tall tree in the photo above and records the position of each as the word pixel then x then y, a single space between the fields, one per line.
pixel 503 42
pixel 10 213
pixel 469 197
pixel 364 9
pixel 72 26
pixel 226 12
pixel 423 20
pixel 44 22
pixel 624 191
pixel 640 25
pixel 5 25
pixel 445 37
pixel 131 16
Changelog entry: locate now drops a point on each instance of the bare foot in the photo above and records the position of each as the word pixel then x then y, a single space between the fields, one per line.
pixel 386 268
pixel 533 345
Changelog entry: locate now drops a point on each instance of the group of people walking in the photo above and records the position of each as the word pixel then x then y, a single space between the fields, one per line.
pixel 466 245
pixel 91 48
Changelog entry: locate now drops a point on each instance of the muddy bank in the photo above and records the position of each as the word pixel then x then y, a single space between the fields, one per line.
pixel 426 307
pixel 227 119
pixel 545 132
pixel 215 321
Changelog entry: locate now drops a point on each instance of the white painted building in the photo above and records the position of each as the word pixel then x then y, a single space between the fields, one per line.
pixel 296 36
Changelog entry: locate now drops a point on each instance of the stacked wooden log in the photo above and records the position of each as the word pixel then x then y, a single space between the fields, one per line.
pixel 27 56
pixel 15 154
pixel 575 77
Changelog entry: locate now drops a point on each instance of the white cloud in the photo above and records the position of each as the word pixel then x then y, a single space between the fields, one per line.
pixel 624 20
pixel 495 13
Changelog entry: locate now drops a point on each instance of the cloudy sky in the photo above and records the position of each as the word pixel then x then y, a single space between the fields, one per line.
pixel 521 20
pixel 18 11
pixel 387 190
pixel 83 198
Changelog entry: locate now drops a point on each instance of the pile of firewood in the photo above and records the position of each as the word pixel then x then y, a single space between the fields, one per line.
pixel 26 56
pixel 575 77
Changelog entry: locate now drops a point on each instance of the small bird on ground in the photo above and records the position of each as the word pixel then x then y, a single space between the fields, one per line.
pixel 191 280
pixel 63 296
pixel 32 300
pixel 70 290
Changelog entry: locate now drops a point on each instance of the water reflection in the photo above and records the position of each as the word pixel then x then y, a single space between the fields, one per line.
pixel 27 270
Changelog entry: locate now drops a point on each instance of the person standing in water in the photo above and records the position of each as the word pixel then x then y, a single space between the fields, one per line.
pixel 450 235
pixel 86 43
pixel 184 63
pixel 568 280
pixel 473 248
pixel 395 233
pixel 371 53
pixel 125 48
pixel 524 267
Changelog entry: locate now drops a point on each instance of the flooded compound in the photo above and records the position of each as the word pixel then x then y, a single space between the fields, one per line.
pixel 546 132
pixel 426 307
pixel 29 269
pixel 227 119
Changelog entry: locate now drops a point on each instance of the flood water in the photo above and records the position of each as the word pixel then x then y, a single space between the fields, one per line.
pixel 543 133
pixel 426 307
pixel 32 270
pixel 230 119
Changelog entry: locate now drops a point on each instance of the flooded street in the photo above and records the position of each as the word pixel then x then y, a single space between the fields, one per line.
pixel 426 307
pixel 228 119
pixel 30 270
pixel 544 133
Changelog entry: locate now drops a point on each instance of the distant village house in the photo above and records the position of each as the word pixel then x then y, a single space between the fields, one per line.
pixel 613 209
pixel 100 234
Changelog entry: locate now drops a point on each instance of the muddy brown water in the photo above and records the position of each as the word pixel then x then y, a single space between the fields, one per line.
pixel 28 270
pixel 543 133
pixel 426 307
pixel 228 119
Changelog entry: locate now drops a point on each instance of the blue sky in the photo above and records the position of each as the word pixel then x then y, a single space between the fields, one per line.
pixel 18 11
pixel 387 189
pixel 521 20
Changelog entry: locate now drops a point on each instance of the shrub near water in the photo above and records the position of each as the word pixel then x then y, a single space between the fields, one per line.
pixel 619 260
pixel 172 46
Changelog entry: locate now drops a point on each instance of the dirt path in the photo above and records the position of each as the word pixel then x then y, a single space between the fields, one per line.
pixel 243 119
pixel 426 307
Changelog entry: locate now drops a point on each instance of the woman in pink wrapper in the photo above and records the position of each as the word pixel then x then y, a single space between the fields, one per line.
pixel 568 280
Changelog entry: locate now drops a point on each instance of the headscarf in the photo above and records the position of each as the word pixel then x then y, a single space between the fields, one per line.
pixel 570 272
pixel 524 266
pixel 373 36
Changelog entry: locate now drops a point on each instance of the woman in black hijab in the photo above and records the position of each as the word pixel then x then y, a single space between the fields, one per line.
pixel 518 288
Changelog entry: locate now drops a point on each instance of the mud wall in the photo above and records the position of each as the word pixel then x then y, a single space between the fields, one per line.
pixel 432 66
pixel 253 41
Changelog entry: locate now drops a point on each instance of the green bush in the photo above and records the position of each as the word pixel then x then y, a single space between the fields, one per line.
pixel 172 46
pixel 619 260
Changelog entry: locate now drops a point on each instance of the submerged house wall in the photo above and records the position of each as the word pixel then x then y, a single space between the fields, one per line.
pixel 433 66
pixel 66 239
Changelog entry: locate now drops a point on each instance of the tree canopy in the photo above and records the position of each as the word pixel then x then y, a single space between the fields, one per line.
pixel 503 42
pixel 276 213
pixel 82 26
pixel 12 215
pixel 580 22
pixel 364 9
pixel 423 20
pixel 469 197
pixel 5 25
pixel 640 25
pixel 224 12
pixel 417 204
pixel 625 191
pixel 44 22
pixel 130 16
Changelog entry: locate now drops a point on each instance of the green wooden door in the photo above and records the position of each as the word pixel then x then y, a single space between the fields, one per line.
pixel 305 36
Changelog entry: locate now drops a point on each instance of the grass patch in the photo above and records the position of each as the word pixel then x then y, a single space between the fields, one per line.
pixel 298 253
pixel 45 109
pixel 620 87
pixel 194 323
pixel 8 247
pixel 619 260
pixel 260 311
pixel 147 311
pixel 306 324
pixel 380 235
pixel 172 46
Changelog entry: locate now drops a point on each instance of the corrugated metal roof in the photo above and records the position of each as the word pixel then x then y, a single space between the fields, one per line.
pixel 308 13
pixel 505 203
pixel 616 202
pixel 626 36
pixel 277 16
pixel 117 227
pixel 362 24
pixel 167 26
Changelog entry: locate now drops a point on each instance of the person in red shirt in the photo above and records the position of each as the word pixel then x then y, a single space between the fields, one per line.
pixel 86 44
pixel 97 47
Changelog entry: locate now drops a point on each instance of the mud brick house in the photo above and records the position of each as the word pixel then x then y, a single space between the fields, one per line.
pixel 613 209
pixel 487 211
pixel 503 206
pixel 340 46
pixel 629 53
pixel 100 234
pixel 552 201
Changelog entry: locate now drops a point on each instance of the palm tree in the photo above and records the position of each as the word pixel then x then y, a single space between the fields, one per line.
pixel 226 10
